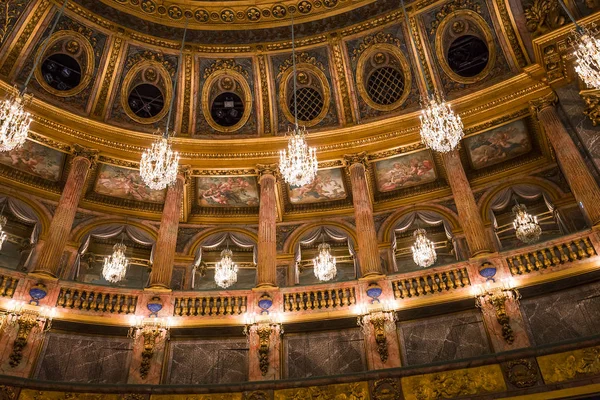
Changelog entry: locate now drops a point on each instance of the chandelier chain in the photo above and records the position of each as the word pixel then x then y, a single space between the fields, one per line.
pixel 294 72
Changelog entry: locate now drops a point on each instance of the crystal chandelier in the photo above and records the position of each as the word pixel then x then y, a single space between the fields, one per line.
pixel 226 270
pixel 158 166
pixel 423 249
pixel 587 51
pixel 115 265
pixel 324 264
pixel 3 236
pixel 441 128
pixel 14 120
pixel 526 226
pixel 298 164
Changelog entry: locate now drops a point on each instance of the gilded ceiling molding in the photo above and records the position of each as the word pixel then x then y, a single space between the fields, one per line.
pixel 23 37
pixel 497 121
pixel 514 39
pixel 221 64
pixel 223 172
pixel 396 151
pixel 415 38
pixel 335 43
pixel 264 91
pixel 108 77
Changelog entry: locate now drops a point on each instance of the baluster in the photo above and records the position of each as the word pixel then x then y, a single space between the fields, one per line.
pixel 426 286
pixel 84 300
pixel 513 269
pixel 547 262
pixel 60 302
pixel 183 304
pixel 352 298
pixel 335 299
pixel 402 289
pixel 441 282
pixel 563 255
pixel 529 266
pixel 120 303
pixel 434 285
pixel 580 252
pixel 449 280
pixel 522 268
pixel 538 263
pixel 177 306
pixel 134 300
pixel 396 289
pixel 572 254
pixel 328 299
pixel 244 304
pixel 298 301
pixel 555 259
pixel 78 300
pixel 589 249
pixel 3 290
pixel 102 304
pixel 465 277
pixel 213 310
pixel 286 299
pixel 411 287
pixel 221 305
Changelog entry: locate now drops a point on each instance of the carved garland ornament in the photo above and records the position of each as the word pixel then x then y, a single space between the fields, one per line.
pixel 451 8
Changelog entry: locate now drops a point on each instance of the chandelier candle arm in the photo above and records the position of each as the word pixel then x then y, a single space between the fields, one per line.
pixel 159 163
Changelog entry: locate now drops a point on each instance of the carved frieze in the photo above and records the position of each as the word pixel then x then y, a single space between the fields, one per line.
pixel 570 365
pixel 353 391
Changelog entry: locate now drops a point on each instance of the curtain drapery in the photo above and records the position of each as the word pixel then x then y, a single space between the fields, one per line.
pixel 214 241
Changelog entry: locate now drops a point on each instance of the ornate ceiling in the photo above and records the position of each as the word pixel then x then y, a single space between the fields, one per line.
pixel 232 104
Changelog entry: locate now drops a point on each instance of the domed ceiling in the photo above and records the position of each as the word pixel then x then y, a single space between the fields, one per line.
pixel 106 79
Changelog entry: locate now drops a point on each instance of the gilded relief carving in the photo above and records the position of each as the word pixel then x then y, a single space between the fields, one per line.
pixel 8 392
pixel 452 384
pixel 386 389
pixel 591 99
pixel 218 396
pixel 543 16
pixel 29 394
pixel 10 11
pixel 570 365
pixel 450 8
pixel 522 373
pixel 346 391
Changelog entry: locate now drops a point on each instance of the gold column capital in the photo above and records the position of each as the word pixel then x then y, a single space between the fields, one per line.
pixel 186 172
pixel 267 169
pixel 548 100
pixel 356 158
pixel 85 152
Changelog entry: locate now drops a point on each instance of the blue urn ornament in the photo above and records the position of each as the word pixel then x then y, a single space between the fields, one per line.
pixel 264 303
pixel 37 293
pixel 374 291
pixel 154 306
pixel 487 270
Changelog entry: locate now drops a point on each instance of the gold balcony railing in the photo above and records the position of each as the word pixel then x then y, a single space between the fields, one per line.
pixel 210 306
pixel 96 300
pixel 320 299
pixel 551 256
pixel 429 283
pixel 8 284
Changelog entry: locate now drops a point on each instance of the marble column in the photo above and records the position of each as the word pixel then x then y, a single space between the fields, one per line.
pixel 164 254
pixel 477 238
pixel 267 219
pixel 582 183
pixel 368 251
pixel 48 262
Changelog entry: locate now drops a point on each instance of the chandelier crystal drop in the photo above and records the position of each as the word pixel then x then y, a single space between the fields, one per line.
pixel 226 270
pixel 324 264
pixel 587 53
pixel 441 128
pixel 423 249
pixel 298 163
pixel 3 236
pixel 115 265
pixel 526 225
pixel 158 166
pixel 14 122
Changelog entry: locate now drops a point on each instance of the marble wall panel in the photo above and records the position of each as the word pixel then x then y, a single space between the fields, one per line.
pixel 324 353
pixel 208 361
pixel 84 359
pixel 443 338
pixel 565 315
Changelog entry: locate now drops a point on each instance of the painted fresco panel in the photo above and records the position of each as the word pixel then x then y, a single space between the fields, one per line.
pixel 498 144
pixel 405 171
pixel 35 159
pixel 127 184
pixel 235 191
pixel 327 186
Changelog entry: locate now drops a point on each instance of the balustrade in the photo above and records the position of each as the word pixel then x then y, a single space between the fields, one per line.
pixel 551 256
pixel 8 285
pixel 95 300
pixel 431 283
pixel 325 299
pixel 210 306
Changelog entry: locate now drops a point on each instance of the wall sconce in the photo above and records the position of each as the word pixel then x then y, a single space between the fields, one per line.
pixel 150 329
pixel 496 296
pixel 377 314
pixel 27 317
pixel 263 324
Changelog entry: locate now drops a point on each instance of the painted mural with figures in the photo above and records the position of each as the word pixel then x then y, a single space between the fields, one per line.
pixel 405 171
pixel 234 191
pixel 498 145
pixel 35 159
pixel 327 186
pixel 125 183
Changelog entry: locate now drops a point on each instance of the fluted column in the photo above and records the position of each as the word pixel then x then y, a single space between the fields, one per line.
pixel 48 263
pixel 368 251
pixel 267 219
pixel 477 238
pixel 582 183
pixel 162 267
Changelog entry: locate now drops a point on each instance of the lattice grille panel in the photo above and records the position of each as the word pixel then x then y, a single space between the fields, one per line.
pixel 385 85
pixel 310 103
